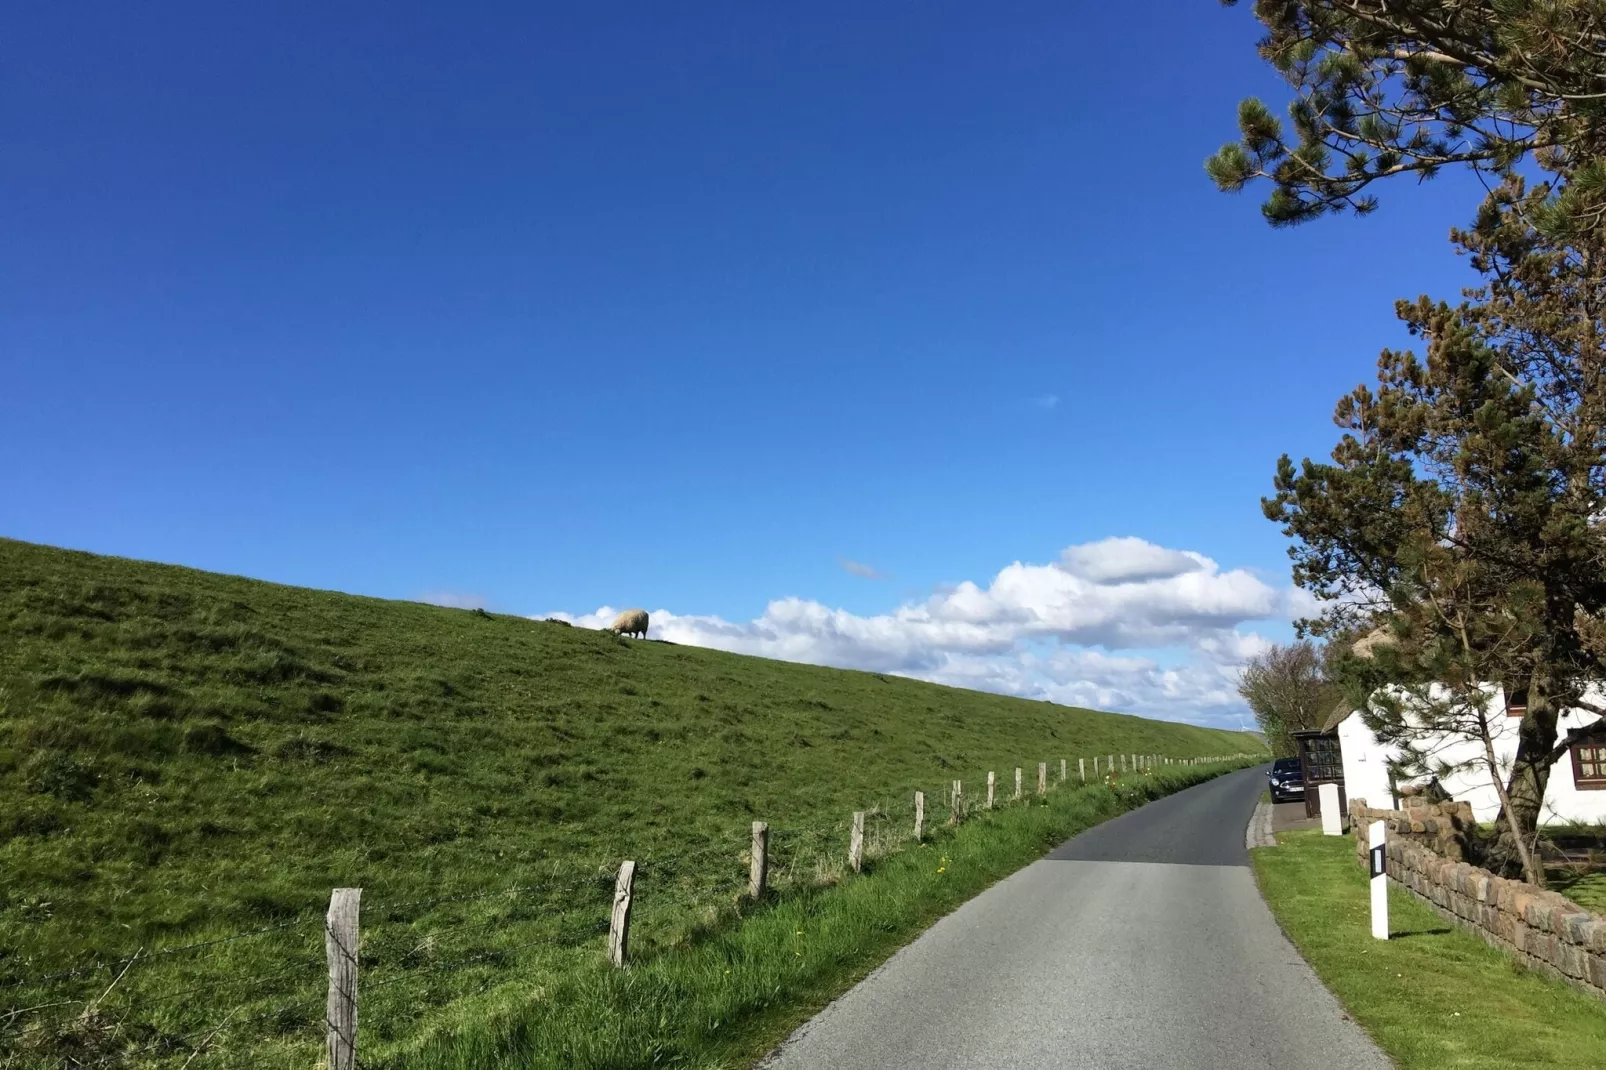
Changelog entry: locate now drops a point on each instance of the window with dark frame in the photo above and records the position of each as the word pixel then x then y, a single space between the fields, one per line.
pixel 1589 765
pixel 1324 763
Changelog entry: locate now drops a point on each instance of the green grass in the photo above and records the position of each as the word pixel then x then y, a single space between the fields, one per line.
pixel 185 756
pixel 1432 996
pixel 1588 890
pixel 731 997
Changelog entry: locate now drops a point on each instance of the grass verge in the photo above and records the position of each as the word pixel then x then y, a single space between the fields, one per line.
pixel 1434 997
pixel 727 1000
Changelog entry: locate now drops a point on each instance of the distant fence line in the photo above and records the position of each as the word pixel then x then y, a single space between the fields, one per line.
pixel 766 851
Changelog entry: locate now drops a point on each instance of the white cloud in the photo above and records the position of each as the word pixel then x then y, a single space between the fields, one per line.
pixel 1049 631
pixel 1127 559
pixel 1046 401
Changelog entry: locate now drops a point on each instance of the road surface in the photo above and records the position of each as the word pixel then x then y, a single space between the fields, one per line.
pixel 1141 943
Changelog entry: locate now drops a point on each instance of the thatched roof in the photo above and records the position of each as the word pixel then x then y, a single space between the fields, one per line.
pixel 1367 645
pixel 1336 718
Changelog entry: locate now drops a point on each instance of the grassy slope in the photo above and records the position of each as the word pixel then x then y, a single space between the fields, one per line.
pixel 185 754
pixel 1433 997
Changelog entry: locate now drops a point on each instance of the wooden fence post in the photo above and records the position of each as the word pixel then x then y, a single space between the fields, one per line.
pixel 1062 770
pixel 920 816
pixel 1110 764
pixel 955 804
pixel 1042 778
pixel 856 842
pixel 340 934
pixel 1017 782
pixel 619 926
pixel 989 789
pixel 1095 767
pixel 759 869
pixel 1081 769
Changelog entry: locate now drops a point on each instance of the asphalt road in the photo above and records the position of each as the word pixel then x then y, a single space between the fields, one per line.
pixel 1141 943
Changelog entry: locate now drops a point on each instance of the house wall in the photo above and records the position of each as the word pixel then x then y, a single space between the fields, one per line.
pixel 1563 800
pixel 1366 770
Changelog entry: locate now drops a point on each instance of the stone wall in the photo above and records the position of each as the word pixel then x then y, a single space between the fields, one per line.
pixel 1542 929
pixel 1443 827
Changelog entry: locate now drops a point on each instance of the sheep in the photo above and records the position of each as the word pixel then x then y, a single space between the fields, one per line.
pixel 630 622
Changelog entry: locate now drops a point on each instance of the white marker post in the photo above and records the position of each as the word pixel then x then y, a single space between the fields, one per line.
pixel 1380 883
pixel 1332 819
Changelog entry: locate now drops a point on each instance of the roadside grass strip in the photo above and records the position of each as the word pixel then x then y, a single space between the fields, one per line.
pixel 1432 996
pixel 728 999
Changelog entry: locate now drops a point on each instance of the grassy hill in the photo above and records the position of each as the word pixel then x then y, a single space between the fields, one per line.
pixel 184 755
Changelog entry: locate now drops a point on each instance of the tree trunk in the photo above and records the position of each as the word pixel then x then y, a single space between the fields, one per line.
pixel 1525 788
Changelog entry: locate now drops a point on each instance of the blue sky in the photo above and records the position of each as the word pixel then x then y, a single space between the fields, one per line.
pixel 560 308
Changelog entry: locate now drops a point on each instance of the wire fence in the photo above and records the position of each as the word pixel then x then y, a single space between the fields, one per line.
pixel 264 996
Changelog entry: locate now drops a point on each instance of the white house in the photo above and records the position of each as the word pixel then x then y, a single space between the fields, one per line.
pixel 1577 788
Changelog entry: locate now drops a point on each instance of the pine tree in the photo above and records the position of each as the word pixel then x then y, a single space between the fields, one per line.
pixel 1462 508
pixel 1384 88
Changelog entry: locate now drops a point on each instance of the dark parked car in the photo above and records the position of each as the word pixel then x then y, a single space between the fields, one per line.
pixel 1286 780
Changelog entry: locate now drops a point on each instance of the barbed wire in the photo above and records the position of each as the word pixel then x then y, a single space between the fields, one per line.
pixel 258 981
pixel 453 965
pixel 175 1043
pixel 222 983
pixel 660 862
pixel 667 879
pixel 604 872
pixel 381 952
pixel 158 953
pixel 691 896
pixel 465 897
